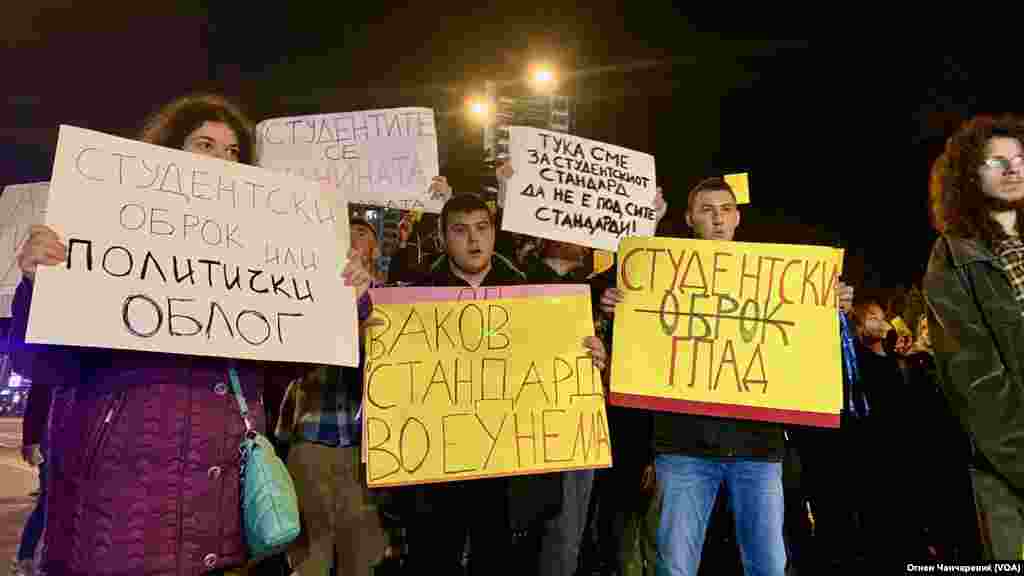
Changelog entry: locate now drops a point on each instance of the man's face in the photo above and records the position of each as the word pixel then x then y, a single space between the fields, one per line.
pixel 364 242
pixel 873 326
pixel 713 215
pixel 1002 174
pixel 469 240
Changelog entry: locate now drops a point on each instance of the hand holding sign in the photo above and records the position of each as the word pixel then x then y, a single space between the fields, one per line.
pixel 44 246
pixel 595 348
pixel 844 296
pixel 355 275
pixel 611 298
pixel 660 206
pixel 439 189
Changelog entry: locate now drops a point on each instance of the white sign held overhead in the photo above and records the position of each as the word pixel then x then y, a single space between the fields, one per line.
pixel 577 190
pixel 383 158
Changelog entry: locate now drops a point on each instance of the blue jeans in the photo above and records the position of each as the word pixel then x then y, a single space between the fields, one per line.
pixel 34 525
pixel 560 545
pixel 689 485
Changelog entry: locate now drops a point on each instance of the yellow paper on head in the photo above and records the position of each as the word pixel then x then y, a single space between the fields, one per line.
pixel 728 329
pixel 740 184
pixel 901 327
pixel 603 260
pixel 477 389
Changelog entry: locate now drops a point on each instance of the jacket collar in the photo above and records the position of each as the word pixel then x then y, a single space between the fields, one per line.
pixel 966 251
pixel 503 271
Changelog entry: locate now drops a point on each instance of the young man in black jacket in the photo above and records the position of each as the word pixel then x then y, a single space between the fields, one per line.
pixel 495 513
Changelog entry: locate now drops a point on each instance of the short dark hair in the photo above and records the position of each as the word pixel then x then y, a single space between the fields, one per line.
pixel 362 222
pixel 714 183
pixel 463 204
pixel 171 124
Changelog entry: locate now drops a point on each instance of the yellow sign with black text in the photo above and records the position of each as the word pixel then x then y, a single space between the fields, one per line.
pixel 458 390
pixel 730 329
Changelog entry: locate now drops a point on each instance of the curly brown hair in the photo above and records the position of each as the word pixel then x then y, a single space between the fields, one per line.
pixel 957 203
pixel 172 123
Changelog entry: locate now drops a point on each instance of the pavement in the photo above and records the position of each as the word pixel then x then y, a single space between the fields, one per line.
pixel 17 480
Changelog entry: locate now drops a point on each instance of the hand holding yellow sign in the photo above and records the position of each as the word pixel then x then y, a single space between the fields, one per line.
pixel 473 389
pixel 730 329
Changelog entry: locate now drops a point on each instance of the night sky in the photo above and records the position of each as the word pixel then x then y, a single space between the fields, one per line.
pixel 811 114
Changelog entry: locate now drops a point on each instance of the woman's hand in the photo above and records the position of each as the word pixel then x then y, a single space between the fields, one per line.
pixel 44 246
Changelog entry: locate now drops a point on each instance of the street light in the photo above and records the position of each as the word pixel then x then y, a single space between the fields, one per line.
pixel 478 109
pixel 542 77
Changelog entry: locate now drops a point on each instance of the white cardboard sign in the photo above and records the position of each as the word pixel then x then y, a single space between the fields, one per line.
pixel 170 251
pixel 21 206
pixel 577 190
pixel 383 158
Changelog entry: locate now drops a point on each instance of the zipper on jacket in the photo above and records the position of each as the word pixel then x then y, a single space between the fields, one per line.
pixel 103 432
pixel 99 437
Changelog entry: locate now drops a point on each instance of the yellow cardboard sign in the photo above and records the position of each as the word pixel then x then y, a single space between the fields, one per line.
pixel 729 329
pixel 603 260
pixel 476 389
pixel 740 184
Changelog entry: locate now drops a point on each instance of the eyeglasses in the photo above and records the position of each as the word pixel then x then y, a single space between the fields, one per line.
pixel 1004 164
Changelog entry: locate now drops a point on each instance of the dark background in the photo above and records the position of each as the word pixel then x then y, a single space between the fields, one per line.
pixel 809 111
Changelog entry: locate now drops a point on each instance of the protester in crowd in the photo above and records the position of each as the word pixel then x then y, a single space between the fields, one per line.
pixel 938 453
pixel 563 263
pixel 34 452
pixel 696 454
pixel 418 244
pixel 147 478
pixel 499 515
pixel 974 288
pixel 321 419
pixel 364 241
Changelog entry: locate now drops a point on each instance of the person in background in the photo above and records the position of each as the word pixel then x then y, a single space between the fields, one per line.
pixel 148 474
pixel 500 515
pixel 364 241
pixel 34 452
pixel 555 262
pixel 560 538
pixel 418 243
pixel 974 289
pixel 321 420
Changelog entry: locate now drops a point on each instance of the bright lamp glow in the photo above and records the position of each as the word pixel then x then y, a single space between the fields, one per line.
pixel 478 109
pixel 542 77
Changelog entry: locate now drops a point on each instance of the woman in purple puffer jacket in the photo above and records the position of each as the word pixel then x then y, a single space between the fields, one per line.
pixel 145 473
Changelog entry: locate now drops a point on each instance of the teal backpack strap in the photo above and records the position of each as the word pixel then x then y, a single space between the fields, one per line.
pixel 236 389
